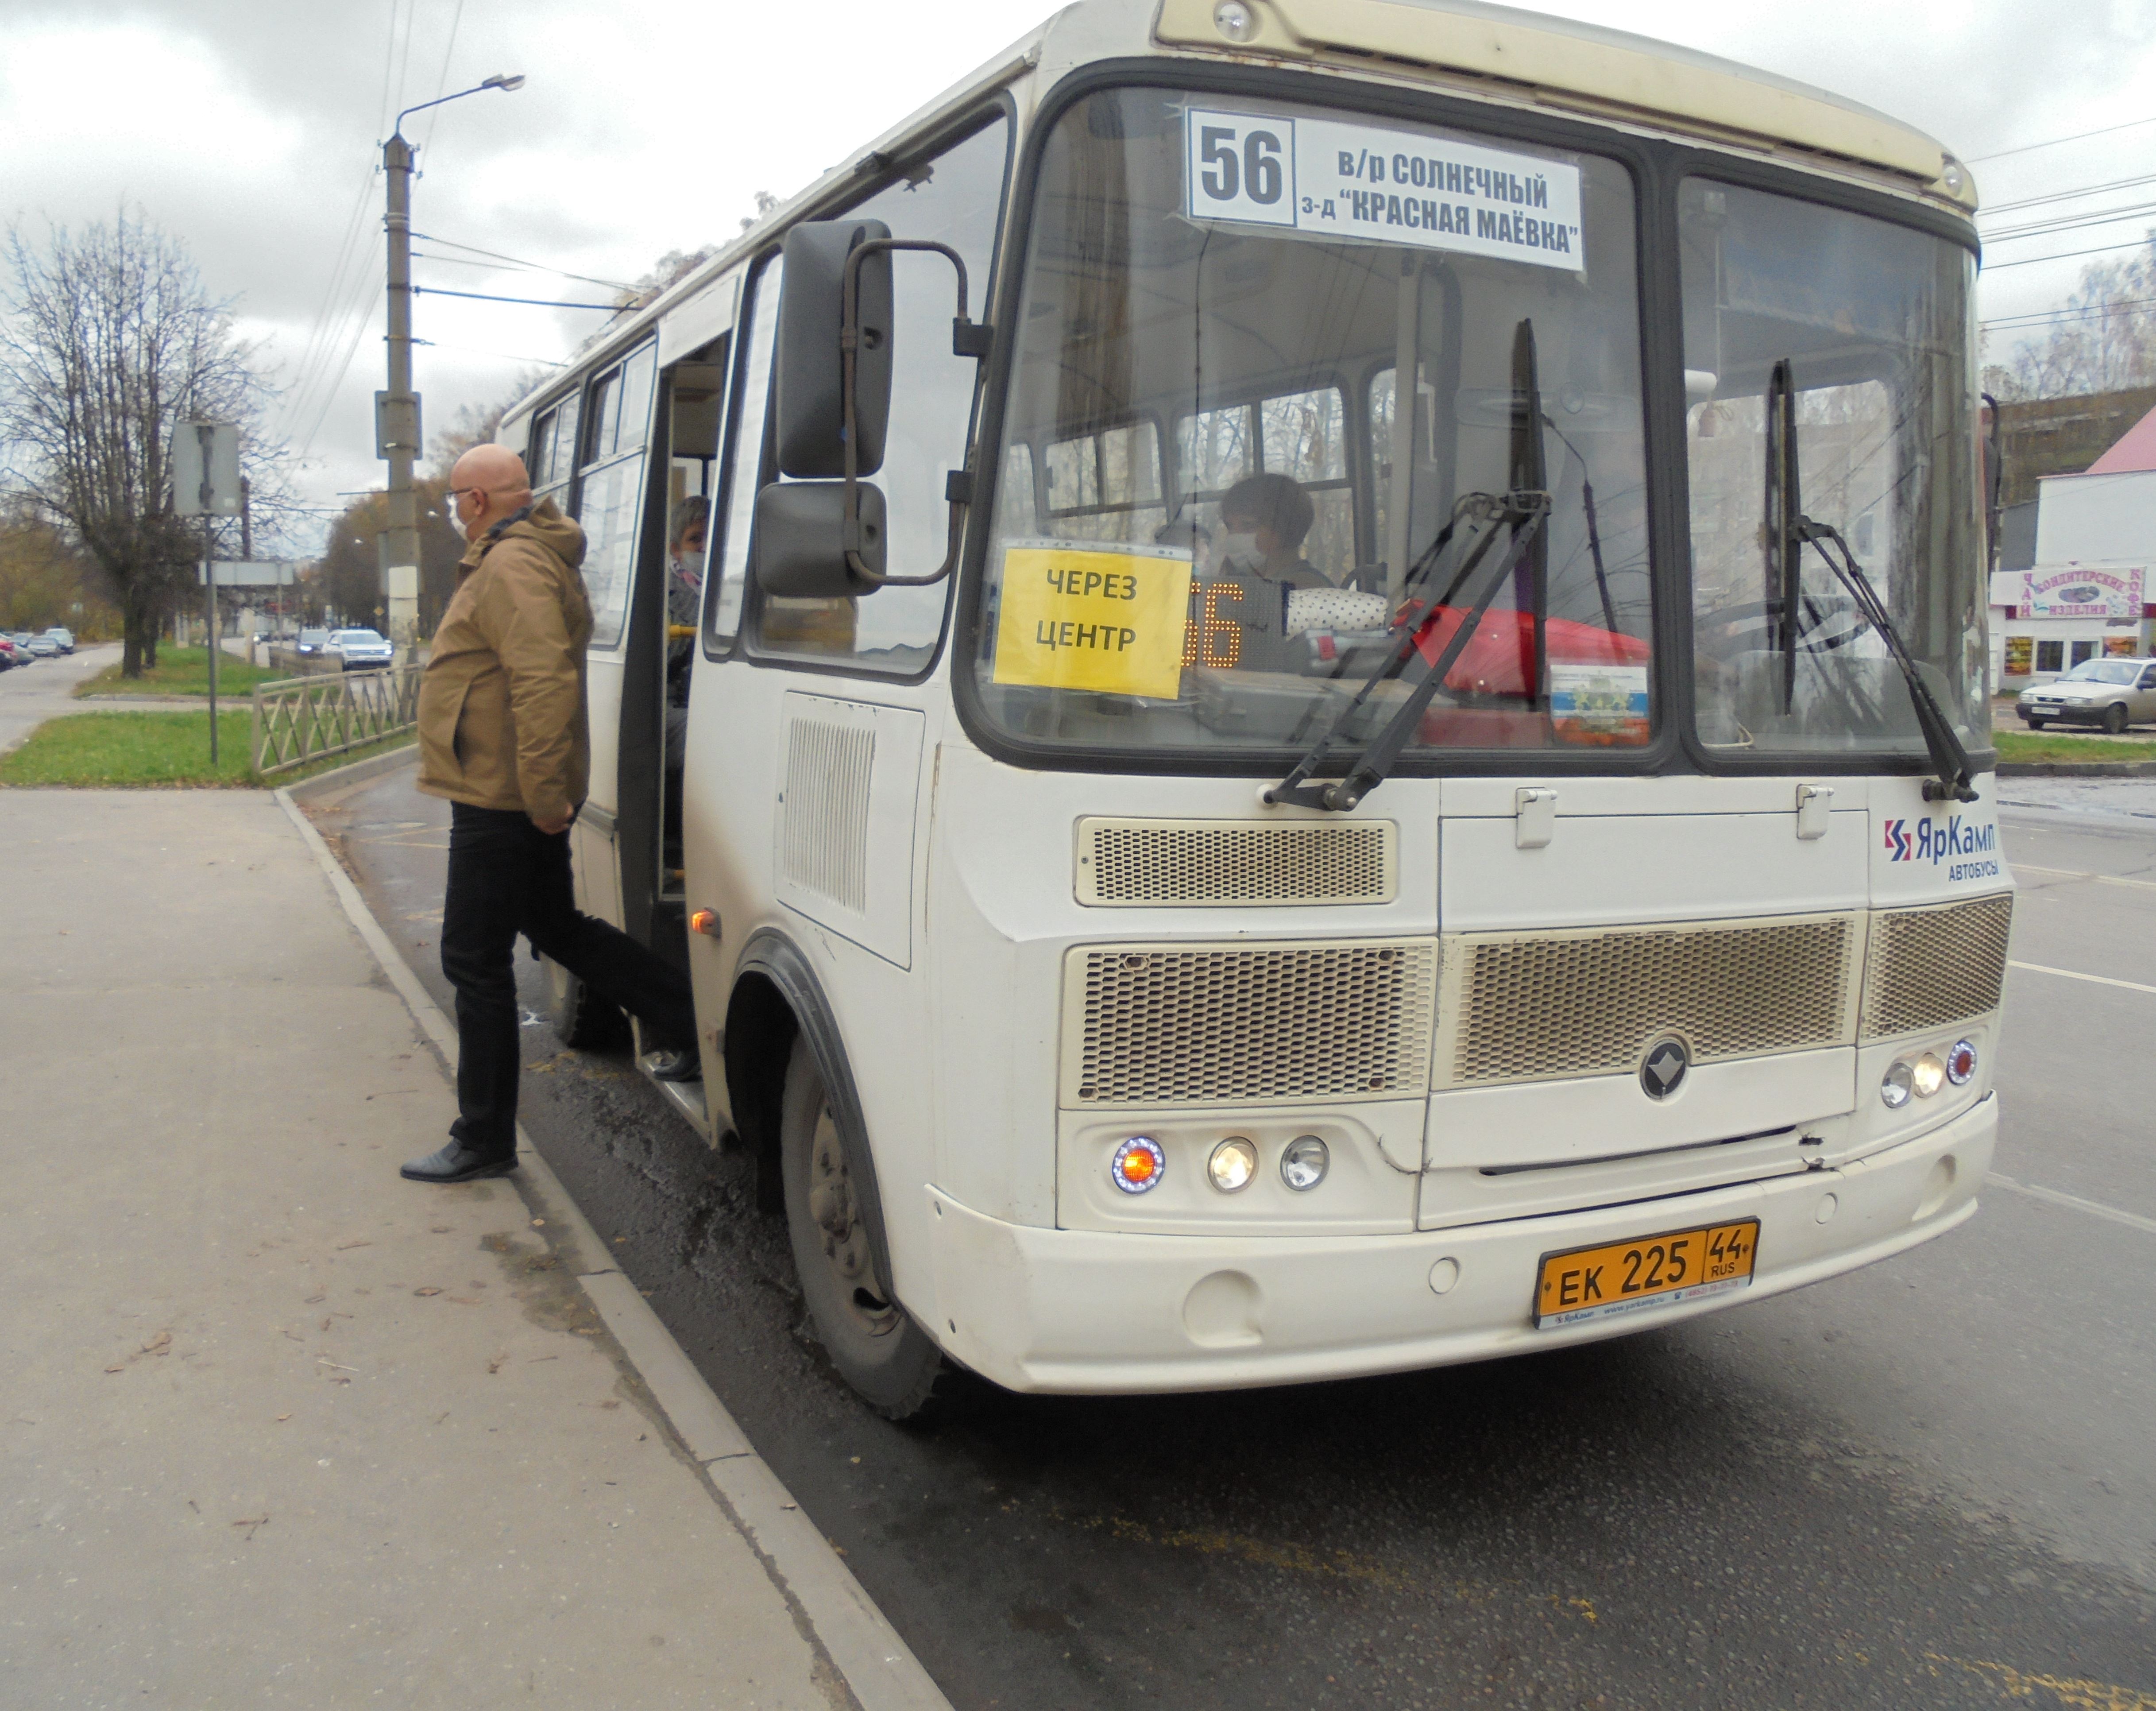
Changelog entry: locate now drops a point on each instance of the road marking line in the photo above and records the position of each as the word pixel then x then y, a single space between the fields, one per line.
pixel 2076 974
pixel 2132 1220
pixel 2139 884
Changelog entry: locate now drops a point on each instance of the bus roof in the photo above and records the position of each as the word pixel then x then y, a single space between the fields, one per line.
pixel 1610 73
pixel 1607 71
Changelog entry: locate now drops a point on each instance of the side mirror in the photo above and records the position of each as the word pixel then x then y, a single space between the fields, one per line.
pixel 805 547
pixel 812 401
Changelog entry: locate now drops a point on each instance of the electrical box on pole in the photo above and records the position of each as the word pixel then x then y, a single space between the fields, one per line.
pixel 206 484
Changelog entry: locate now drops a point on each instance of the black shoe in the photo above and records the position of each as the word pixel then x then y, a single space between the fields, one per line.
pixel 675 1065
pixel 457 1162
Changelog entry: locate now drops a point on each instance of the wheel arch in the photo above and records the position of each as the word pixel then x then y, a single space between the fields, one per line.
pixel 775 994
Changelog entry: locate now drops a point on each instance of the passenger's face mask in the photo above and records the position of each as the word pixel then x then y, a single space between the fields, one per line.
pixel 457 522
pixel 1239 551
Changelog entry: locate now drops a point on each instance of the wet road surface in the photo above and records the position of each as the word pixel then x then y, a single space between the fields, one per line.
pixel 1928 1483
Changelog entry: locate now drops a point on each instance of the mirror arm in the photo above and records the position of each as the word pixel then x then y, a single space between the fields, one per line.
pixel 968 338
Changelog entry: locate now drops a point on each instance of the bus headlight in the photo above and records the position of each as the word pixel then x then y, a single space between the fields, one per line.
pixel 1894 1084
pixel 1137 1165
pixel 1929 1075
pixel 1302 1165
pixel 1234 1163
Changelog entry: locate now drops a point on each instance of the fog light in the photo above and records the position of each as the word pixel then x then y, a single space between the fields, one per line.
pixel 1961 1062
pixel 1137 1165
pixel 1894 1086
pixel 1930 1075
pixel 1302 1165
pixel 1234 1163
pixel 1234 20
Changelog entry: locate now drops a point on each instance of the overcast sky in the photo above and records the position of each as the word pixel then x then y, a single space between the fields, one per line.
pixel 250 129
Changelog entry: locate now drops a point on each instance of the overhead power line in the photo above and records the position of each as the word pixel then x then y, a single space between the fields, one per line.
pixel 2054 142
pixel 2038 316
pixel 2071 255
pixel 490 297
pixel 582 279
pixel 2073 223
pixel 2000 207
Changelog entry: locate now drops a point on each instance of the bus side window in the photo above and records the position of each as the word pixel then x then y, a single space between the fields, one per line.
pixel 747 457
pixel 956 198
pixel 612 480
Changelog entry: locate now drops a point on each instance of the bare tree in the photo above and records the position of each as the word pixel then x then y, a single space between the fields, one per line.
pixel 2103 341
pixel 107 341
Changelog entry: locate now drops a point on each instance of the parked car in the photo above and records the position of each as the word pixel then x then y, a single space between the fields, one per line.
pixel 63 636
pixel 312 642
pixel 21 637
pixel 11 656
pixel 44 646
pixel 360 650
pixel 2113 692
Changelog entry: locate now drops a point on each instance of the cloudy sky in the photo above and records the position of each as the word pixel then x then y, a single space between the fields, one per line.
pixel 250 129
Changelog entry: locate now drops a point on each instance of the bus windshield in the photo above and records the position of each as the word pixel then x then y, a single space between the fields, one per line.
pixel 1872 321
pixel 1221 510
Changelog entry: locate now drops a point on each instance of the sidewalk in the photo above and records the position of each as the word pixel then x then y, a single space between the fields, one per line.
pixel 279 1428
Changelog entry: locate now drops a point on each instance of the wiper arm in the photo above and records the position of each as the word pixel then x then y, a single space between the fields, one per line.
pixel 1787 530
pixel 1524 514
pixel 1948 758
pixel 1524 509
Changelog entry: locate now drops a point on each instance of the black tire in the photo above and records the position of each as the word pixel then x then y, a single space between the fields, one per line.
pixel 2037 724
pixel 890 1360
pixel 2114 718
pixel 582 1020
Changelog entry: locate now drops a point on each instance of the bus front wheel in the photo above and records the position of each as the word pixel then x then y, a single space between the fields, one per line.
pixel 877 1348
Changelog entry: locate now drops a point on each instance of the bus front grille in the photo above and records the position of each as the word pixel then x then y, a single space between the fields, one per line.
pixel 1234 863
pixel 1933 966
pixel 1538 1006
pixel 1178 1025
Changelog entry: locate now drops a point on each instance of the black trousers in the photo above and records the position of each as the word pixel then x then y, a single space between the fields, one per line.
pixel 507 876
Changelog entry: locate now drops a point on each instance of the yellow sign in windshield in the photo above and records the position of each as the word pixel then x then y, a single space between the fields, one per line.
pixel 1079 617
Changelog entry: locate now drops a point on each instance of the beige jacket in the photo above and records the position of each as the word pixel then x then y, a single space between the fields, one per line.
pixel 501 705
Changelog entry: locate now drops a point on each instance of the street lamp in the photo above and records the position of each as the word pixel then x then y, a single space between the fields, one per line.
pixel 397 410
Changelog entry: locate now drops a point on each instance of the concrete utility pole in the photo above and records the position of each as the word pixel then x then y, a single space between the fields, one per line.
pixel 396 431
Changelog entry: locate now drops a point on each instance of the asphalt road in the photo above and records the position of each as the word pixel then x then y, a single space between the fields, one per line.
pixel 1929 1483
pixel 30 695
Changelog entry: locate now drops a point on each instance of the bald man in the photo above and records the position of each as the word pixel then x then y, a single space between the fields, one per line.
pixel 503 736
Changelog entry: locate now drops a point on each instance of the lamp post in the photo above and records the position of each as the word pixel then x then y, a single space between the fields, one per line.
pixel 397 410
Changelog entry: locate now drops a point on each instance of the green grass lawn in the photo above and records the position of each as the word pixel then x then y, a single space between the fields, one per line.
pixel 182 672
pixel 2029 745
pixel 109 750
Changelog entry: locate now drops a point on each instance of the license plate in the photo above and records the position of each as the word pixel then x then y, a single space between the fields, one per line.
pixel 1598 1283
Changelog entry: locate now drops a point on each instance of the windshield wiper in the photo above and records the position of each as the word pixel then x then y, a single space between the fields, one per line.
pixel 1523 513
pixel 1522 510
pixel 1787 531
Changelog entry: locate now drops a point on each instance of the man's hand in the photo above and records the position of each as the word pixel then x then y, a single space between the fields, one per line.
pixel 554 827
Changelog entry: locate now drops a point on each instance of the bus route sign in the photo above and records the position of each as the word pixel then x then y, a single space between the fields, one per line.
pixel 1076 616
pixel 1325 178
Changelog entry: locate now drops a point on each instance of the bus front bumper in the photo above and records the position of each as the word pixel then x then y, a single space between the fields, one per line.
pixel 1078 1311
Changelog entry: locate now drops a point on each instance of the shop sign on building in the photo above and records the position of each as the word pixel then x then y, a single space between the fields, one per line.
pixel 2113 593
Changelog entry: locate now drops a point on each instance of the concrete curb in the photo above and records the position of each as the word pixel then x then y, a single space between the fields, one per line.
pixel 876 1664
pixel 2077 769
pixel 358 772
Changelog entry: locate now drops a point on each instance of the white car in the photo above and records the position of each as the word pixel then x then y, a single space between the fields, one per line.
pixel 360 650
pixel 62 637
pixel 2113 692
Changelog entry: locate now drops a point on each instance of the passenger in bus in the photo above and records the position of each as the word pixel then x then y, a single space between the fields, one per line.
pixel 1264 521
pixel 685 530
pixel 504 736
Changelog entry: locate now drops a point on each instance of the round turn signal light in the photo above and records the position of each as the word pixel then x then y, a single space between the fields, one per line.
pixel 1137 1165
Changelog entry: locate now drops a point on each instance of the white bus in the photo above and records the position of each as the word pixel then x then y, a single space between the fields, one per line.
pixel 1376 755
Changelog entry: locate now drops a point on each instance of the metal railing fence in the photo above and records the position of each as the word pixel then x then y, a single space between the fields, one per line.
pixel 302 719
